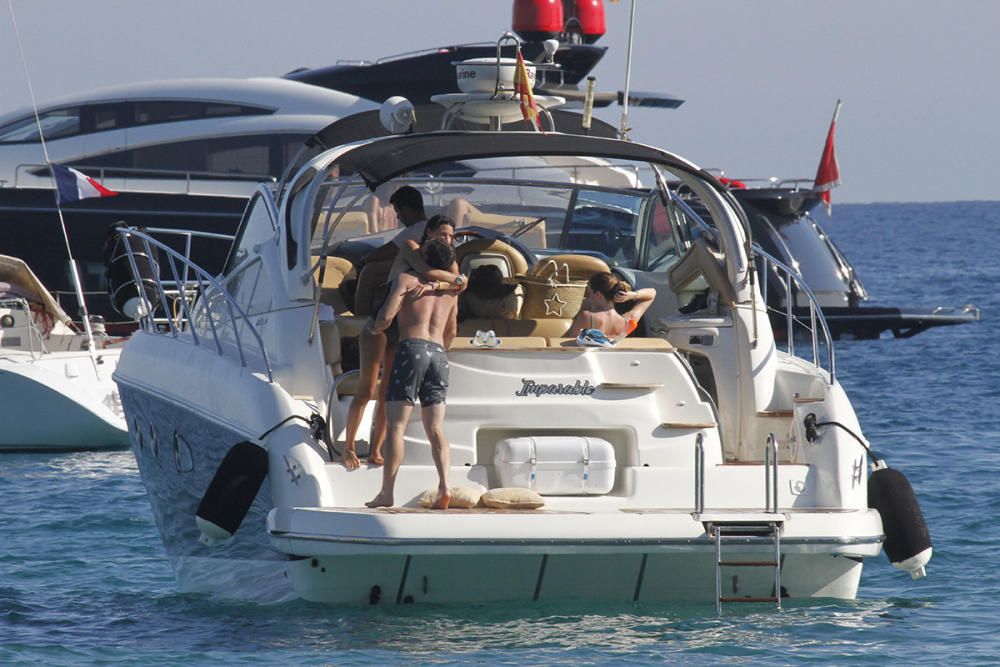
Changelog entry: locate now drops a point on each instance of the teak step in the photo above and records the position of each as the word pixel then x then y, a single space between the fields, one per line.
pixel 776 413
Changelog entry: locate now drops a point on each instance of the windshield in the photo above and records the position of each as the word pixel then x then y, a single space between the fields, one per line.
pixel 613 210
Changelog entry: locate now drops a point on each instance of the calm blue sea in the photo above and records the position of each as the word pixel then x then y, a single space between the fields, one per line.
pixel 84 578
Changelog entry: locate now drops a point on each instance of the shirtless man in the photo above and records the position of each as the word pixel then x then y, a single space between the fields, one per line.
pixel 427 326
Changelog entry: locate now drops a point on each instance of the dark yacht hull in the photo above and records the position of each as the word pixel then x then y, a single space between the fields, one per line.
pixel 781 225
pixel 30 230
pixel 870 322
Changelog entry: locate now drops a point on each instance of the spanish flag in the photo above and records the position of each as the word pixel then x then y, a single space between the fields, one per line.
pixel 522 88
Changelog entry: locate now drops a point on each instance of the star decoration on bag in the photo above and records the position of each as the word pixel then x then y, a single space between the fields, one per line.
pixel 550 305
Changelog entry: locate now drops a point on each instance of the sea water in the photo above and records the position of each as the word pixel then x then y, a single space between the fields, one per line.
pixel 84 578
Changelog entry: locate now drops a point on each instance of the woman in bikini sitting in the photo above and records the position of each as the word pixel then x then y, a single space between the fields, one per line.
pixel 598 309
pixel 377 350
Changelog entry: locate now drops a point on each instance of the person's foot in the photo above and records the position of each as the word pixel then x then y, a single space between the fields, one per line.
pixel 443 500
pixel 381 500
pixel 375 457
pixel 350 459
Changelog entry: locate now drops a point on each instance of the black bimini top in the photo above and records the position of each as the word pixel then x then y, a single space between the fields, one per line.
pixel 384 159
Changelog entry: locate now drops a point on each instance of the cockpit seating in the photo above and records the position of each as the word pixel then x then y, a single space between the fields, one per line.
pixel 477 252
pixel 351 224
pixel 372 290
pixel 508 224
pixel 337 271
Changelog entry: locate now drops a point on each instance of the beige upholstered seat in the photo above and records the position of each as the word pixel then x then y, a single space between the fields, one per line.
pixel 371 286
pixel 508 224
pixel 490 251
pixel 351 224
pixel 338 269
pixel 547 327
pixel 581 267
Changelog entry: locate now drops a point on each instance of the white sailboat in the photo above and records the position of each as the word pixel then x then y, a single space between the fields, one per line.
pixel 57 393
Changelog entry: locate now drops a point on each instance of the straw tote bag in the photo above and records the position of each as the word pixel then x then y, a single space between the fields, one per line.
pixel 546 296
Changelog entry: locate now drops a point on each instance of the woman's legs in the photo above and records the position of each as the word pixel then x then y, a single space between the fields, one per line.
pixel 372 351
pixel 380 421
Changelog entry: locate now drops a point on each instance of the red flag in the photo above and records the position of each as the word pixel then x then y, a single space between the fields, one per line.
pixel 522 88
pixel 828 174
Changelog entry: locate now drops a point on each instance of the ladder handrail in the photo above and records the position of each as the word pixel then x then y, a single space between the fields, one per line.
pixel 817 321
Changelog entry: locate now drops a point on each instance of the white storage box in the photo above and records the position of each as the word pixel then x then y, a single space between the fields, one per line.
pixel 556 465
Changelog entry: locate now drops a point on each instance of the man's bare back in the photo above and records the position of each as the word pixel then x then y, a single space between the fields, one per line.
pixel 429 316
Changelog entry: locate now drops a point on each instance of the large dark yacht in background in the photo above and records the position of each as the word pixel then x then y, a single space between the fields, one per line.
pixel 782 224
pixel 179 153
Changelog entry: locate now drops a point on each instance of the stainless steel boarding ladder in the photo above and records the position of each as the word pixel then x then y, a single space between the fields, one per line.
pixel 732 527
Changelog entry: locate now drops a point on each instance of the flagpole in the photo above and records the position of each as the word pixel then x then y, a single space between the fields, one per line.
pixel 623 131
pixel 74 273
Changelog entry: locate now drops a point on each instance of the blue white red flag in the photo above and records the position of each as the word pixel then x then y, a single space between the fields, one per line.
pixel 71 185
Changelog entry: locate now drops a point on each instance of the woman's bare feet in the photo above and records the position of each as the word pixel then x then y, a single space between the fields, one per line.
pixel 381 500
pixel 350 459
pixel 375 457
pixel 443 500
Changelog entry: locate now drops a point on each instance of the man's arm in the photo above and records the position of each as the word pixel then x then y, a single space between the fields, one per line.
pixel 409 257
pixel 451 328
pixel 392 305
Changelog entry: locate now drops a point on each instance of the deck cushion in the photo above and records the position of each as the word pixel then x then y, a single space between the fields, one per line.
pixel 462 497
pixel 512 498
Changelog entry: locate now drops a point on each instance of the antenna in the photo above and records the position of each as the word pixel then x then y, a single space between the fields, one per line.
pixel 55 191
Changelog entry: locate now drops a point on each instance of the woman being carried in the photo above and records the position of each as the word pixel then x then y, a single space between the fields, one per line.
pixel 379 349
pixel 598 309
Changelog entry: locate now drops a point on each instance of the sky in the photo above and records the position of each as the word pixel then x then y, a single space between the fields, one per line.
pixel 918 78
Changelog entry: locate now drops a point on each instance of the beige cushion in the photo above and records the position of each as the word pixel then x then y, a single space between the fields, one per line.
pixel 512 498
pixel 462 497
pixel 506 307
pixel 515 328
pixel 581 267
pixel 491 251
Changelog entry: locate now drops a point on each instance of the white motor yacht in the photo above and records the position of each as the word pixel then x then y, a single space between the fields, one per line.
pixel 57 393
pixel 694 460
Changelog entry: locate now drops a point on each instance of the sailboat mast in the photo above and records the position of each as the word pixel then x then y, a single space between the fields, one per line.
pixel 74 273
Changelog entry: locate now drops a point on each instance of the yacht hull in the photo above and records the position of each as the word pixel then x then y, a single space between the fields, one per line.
pixel 178 452
pixel 59 402
pixel 687 577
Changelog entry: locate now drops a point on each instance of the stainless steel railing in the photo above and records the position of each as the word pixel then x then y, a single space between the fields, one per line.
pixel 817 329
pixel 206 310
pixel 36 340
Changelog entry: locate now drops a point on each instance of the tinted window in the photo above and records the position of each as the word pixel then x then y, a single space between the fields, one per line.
pixel 55 124
pixel 170 111
pixel 252 156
